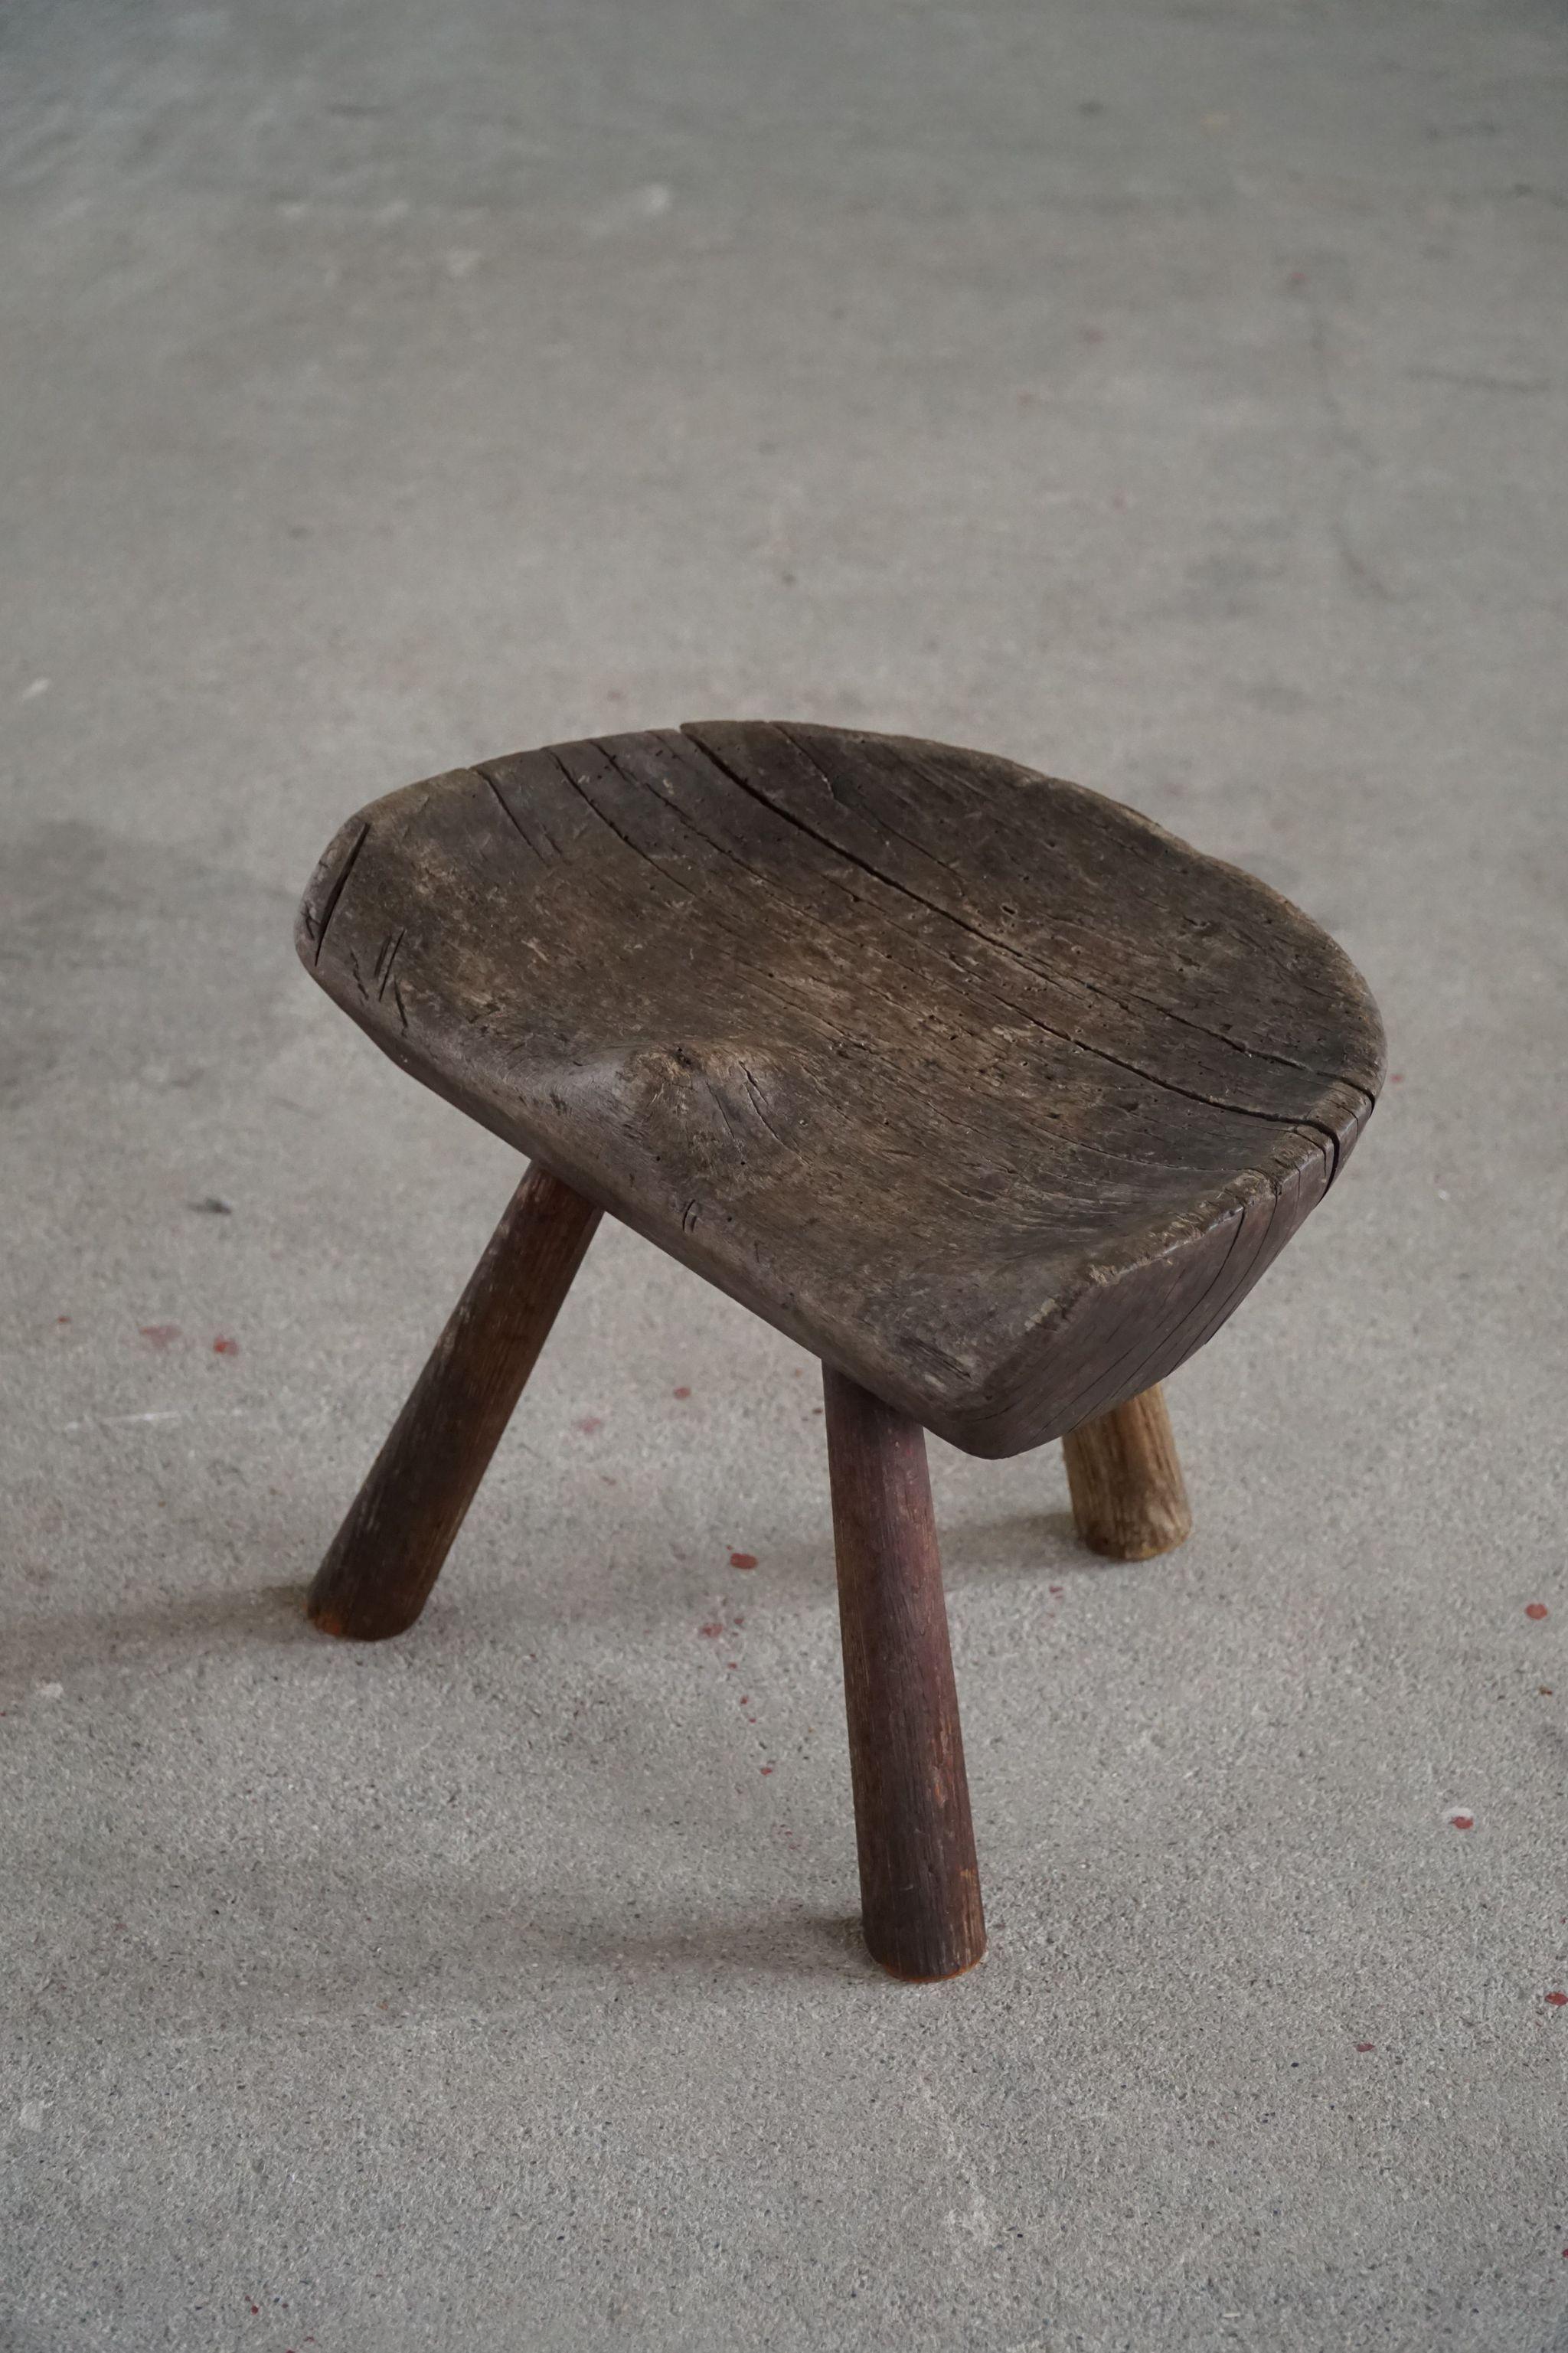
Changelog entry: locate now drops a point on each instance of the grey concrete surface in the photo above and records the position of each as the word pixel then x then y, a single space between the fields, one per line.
pixel 1169 396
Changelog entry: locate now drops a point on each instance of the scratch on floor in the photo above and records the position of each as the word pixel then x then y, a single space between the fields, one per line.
pixel 979 2223
pixel 165 1413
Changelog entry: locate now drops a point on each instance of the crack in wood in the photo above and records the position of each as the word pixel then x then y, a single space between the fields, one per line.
pixel 329 905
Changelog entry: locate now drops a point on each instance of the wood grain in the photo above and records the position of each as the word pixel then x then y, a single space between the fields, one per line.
pixel 386 1557
pixel 919 1884
pixel 1129 1497
pixel 979 1085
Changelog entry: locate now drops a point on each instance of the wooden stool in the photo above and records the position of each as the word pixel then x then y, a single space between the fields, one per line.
pixel 982 1088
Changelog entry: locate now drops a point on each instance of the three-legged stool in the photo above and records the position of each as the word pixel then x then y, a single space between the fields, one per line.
pixel 987 1091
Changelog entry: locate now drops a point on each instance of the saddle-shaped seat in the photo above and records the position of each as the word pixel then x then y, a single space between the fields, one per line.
pixel 981 1086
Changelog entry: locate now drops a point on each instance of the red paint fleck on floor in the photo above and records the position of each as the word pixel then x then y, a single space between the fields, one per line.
pixel 62 1319
pixel 158 1335
pixel 1536 1610
pixel 224 1347
pixel 742 1560
pixel 1461 1821
pixel 766 1770
pixel 1366 2046
pixel 1057 1589
pixel 1397 1079
pixel 1558 2001
pixel 590 1423
pixel 683 1393
pixel 713 1630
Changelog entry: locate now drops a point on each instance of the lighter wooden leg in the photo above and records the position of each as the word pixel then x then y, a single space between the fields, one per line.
pixel 387 1555
pixel 920 1884
pixel 1128 1494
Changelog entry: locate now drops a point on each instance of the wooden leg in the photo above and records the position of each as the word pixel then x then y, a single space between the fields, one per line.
pixel 919 1886
pixel 1128 1496
pixel 388 1552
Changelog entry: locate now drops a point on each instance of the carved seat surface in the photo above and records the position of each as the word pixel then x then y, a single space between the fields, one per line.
pixel 985 1088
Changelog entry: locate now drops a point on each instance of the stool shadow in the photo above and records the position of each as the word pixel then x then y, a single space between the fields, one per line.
pixel 367 1948
pixel 54 1648
pixel 785 1945
pixel 1026 1544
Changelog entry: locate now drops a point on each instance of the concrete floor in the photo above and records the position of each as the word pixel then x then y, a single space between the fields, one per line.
pixel 1171 396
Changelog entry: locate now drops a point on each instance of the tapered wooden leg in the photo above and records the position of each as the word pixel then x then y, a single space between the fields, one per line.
pixel 919 1886
pixel 1128 1494
pixel 388 1552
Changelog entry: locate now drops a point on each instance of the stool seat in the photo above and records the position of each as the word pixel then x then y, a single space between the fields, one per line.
pixel 986 1090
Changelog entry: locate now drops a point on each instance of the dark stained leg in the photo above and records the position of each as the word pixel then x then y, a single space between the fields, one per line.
pixel 919 1886
pixel 388 1552
pixel 1128 1494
